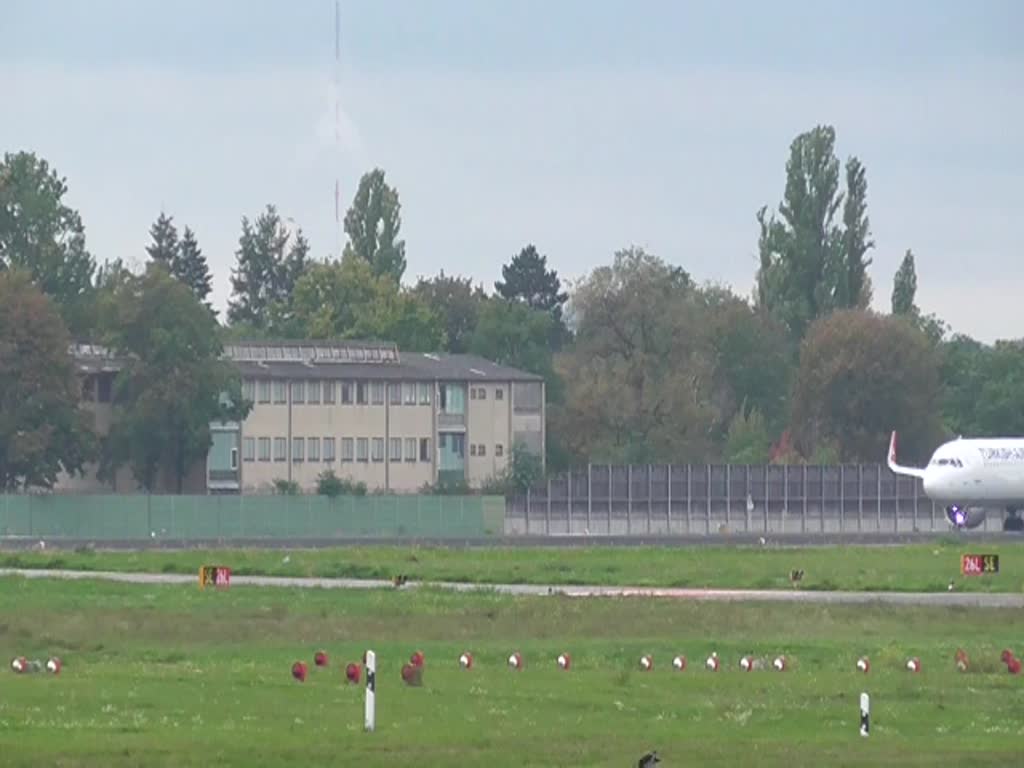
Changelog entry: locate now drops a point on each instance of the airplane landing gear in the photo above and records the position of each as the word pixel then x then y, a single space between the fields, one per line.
pixel 1013 521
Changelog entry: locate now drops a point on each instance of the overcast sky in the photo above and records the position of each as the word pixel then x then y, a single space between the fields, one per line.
pixel 583 126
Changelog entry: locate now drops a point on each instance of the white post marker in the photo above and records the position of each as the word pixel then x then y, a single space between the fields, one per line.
pixel 371 690
pixel 865 714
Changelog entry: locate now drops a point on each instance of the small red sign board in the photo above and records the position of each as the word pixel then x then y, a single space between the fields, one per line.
pixel 976 565
pixel 214 575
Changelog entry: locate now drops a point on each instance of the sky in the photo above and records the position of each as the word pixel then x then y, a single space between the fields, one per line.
pixel 581 126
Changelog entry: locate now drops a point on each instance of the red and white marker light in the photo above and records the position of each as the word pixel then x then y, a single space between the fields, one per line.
pixel 646 662
pixel 712 662
pixel 863 665
pixel 466 660
pixel 779 664
pixel 54 666
pixel 564 661
pixel 299 671
pixel 679 662
pixel 515 661
pixel 747 663
pixel 320 658
pixel 19 664
pixel 914 664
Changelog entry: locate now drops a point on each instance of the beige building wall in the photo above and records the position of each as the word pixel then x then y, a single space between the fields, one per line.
pixel 487 434
pixel 361 421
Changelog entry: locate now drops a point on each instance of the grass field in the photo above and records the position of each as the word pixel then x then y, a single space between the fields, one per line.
pixel 914 568
pixel 175 676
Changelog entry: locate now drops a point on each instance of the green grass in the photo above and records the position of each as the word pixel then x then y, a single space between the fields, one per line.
pixel 915 568
pixel 175 676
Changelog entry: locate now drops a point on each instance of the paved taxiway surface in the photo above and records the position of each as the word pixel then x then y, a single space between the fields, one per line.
pixel 948 599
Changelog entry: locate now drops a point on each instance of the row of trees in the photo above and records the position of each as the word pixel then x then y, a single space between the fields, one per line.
pixel 642 364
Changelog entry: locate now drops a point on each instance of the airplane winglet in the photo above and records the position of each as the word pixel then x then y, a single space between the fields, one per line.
pixel 897 468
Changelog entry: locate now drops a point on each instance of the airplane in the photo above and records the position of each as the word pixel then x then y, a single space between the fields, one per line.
pixel 967 476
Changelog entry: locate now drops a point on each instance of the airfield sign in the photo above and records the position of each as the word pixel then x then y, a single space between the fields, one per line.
pixel 977 565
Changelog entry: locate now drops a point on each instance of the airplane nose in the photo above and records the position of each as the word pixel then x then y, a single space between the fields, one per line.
pixel 930 483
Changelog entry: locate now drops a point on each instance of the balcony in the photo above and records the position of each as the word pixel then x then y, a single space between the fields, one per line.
pixel 451 419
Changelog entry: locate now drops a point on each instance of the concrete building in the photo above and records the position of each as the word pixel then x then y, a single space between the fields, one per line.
pixel 394 421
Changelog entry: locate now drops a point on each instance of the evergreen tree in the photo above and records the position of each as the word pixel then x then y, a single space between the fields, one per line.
pixel 164 248
pixel 191 268
pixel 904 287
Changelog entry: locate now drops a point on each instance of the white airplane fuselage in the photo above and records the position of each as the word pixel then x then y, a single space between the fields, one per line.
pixel 972 472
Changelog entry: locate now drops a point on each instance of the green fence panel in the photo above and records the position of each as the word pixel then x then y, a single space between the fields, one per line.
pixel 191 518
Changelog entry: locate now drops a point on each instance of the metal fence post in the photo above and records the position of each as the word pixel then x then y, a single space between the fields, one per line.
pixel 526 512
pixel 860 498
pixel 608 468
pixel 728 493
pixel 668 503
pixel 689 499
pixel 749 496
pixel 590 495
pixel 878 494
pixel 821 510
pixel 629 499
pixel 766 504
pixel 785 495
pixel 803 522
pixel 547 522
pixel 707 494
pixel 842 498
pixel 568 503
pixel 916 483
pixel 649 493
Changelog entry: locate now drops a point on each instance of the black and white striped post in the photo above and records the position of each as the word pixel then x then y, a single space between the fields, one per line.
pixel 371 691
pixel 865 714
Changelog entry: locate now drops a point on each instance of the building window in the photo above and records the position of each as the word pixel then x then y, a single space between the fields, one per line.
pixel 346 393
pixel 481 450
pixel 526 396
pixel 249 390
pixel 313 449
pixel 361 394
pixel 482 393
pixel 280 449
pixel 104 388
pixel 499 393
pixel 264 391
pixel 298 392
pixel 409 393
pixel 395 394
pixel 472 449
pixel 313 393
pixel 410 449
pixel 499 449
pixel 347 449
pixel 297 445
pixel 249 449
pixel 279 392
pixel 453 398
pixel 377 392
pixel 424 393
pixel 378 449
pixel 328 393
pixel 395 449
pixel 234 458
pixel 362 449
pixel 264 449
pixel 472 393
pixel 424 449
pixel 328 450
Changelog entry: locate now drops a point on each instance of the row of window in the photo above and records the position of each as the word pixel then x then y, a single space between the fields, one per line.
pixel 329 392
pixel 325 449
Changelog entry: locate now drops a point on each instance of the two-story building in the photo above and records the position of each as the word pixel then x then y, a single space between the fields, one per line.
pixel 394 421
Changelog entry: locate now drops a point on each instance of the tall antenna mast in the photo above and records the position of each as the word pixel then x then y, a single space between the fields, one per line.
pixel 337 129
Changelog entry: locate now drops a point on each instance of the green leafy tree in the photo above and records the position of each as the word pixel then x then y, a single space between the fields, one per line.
pixel 747 441
pixel 41 234
pixel 163 248
pixel 862 375
pixel 174 383
pixel 346 300
pixel 640 371
pixel 456 301
pixel 527 279
pixel 42 429
pixel 811 265
pixel 372 224
pixel 983 387
pixel 269 264
pixel 191 267
pixel 904 288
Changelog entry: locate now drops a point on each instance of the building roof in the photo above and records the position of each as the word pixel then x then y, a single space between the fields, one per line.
pixel 411 366
pixel 287 359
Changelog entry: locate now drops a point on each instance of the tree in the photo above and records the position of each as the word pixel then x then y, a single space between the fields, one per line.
pixel 527 279
pixel 164 246
pixel 983 387
pixel 42 429
pixel 269 263
pixel 174 383
pixel 346 300
pixel 810 265
pixel 457 302
pixel 640 370
pixel 862 375
pixel 753 358
pixel 44 236
pixel 747 441
pixel 191 268
pixel 372 225
pixel 904 288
